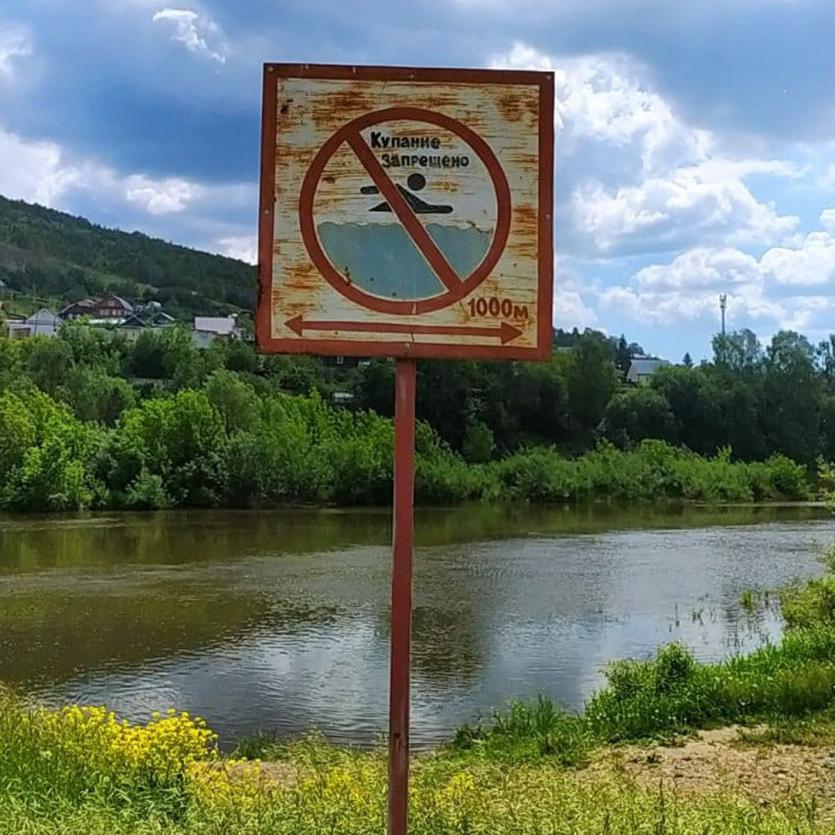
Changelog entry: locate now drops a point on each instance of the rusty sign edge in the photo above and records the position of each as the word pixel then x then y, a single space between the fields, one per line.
pixel 265 343
pixel 373 72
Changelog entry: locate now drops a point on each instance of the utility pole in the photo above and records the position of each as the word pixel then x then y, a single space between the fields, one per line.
pixel 723 306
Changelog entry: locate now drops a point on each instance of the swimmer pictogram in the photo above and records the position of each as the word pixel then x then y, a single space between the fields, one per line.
pixel 415 181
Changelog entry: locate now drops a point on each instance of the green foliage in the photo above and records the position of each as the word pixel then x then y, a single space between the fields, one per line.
pixel 96 397
pixel 478 443
pixel 48 362
pixel 654 470
pixel 175 425
pixel 528 732
pixel 147 492
pixel 826 482
pixel 46 455
pixel 810 604
pixel 180 440
pixel 68 258
pixel 236 401
pixel 637 414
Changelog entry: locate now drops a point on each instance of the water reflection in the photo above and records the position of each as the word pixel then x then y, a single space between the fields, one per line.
pixel 280 619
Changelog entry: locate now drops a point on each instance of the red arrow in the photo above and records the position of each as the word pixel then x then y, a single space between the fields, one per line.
pixel 505 332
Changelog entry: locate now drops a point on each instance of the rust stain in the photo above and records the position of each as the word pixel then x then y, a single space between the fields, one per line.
pixel 511 107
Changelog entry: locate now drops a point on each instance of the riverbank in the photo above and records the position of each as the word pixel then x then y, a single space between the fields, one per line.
pixel 226 447
pixel 531 769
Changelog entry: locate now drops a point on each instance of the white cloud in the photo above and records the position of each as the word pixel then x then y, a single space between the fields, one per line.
pixel 810 264
pixel 33 171
pixel 197 32
pixel 605 97
pixel 573 298
pixel 15 43
pixel 42 172
pixel 642 179
pixel 700 268
pixel 748 306
pixel 242 247
pixel 772 289
pixel 160 197
pixel 708 202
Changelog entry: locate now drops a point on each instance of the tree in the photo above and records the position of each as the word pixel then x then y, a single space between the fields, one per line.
pixel 478 442
pixel 687 360
pixel 97 397
pixel 623 356
pixel 636 414
pixel 236 401
pixel 739 351
pixel 591 382
pixel 794 393
pixel 182 440
pixel 48 362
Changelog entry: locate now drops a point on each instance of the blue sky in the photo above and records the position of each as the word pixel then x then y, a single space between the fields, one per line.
pixel 695 142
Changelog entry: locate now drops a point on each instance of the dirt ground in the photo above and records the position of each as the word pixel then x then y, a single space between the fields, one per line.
pixel 721 760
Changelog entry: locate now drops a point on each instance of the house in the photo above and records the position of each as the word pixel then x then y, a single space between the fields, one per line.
pixel 110 306
pixel 159 319
pixel 134 324
pixel 642 369
pixel 131 326
pixel 77 310
pixel 41 323
pixel 209 328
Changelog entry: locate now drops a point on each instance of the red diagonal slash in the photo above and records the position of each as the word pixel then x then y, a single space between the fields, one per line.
pixel 404 212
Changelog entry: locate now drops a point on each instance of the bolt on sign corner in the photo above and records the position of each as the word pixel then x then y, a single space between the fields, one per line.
pixel 406 212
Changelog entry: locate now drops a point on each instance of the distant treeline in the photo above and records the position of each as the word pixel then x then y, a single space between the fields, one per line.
pixel 90 420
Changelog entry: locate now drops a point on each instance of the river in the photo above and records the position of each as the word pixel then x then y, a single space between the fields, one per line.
pixel 279 619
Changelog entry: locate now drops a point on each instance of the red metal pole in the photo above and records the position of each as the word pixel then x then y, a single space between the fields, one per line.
pixel 401 594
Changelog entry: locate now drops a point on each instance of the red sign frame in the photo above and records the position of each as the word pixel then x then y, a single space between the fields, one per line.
pixel 329 346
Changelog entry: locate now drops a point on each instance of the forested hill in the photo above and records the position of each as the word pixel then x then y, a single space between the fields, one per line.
pixel 50 257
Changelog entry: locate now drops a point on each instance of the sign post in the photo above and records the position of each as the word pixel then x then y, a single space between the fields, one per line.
pixel 401 592
pixel 405 213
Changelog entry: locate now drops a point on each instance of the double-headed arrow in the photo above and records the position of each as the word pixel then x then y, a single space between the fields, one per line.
pixel 504 332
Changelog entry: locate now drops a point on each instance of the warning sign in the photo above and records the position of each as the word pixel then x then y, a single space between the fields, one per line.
pixel 406 212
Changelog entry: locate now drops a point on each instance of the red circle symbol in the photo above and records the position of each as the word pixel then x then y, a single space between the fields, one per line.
pixel 455 287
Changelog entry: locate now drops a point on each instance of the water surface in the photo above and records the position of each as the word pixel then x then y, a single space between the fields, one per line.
pixel 280 619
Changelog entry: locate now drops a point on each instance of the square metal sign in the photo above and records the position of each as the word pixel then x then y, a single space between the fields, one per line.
pixel 406 212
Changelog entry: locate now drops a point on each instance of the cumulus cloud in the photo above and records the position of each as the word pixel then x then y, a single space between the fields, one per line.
pixel 242 247
pixel 606 98
pixel 160 197
pixel 572 300
pixel 42 172
pixel 810 264
pixel 15 43
pixel 786 287
pixel 197 32
pixel 33 171
pixel 658 183
pixel 705 202
pixel 700 269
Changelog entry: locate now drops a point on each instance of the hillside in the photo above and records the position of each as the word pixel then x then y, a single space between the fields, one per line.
pixel 52 258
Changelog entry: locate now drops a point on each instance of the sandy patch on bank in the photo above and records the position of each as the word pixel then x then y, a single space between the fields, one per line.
pixel 720 760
